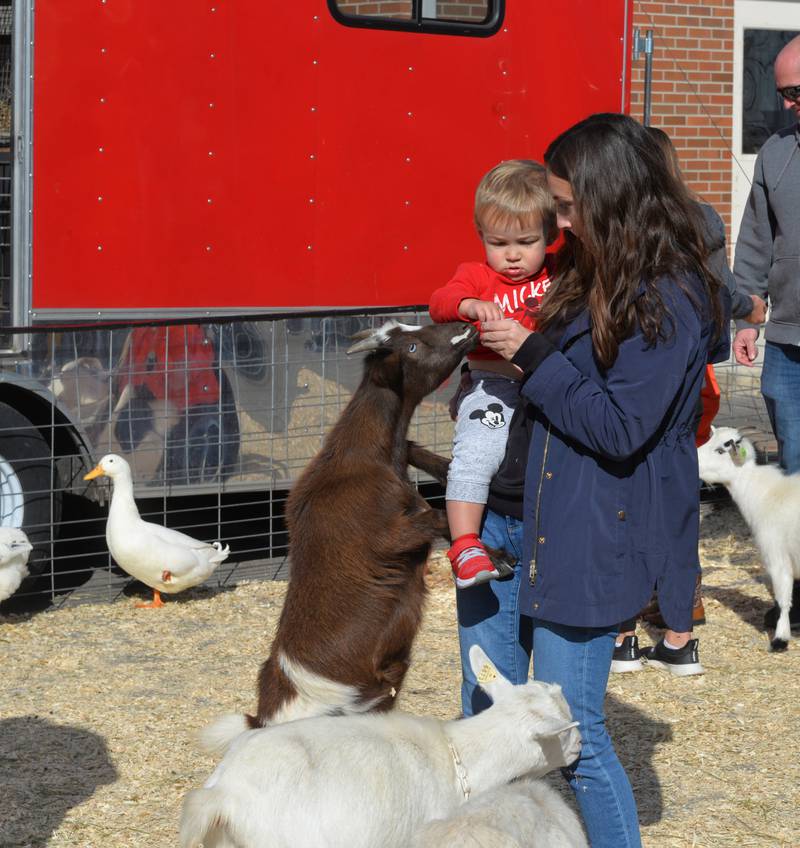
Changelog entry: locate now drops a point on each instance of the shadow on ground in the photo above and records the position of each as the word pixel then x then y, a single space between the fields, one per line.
pixel 636 737
pixel 46 769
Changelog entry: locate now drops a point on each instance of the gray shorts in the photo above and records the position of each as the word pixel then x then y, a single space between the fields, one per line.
pixel 479 443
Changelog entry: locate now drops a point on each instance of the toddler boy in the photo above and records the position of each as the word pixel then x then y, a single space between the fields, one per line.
pixel 515 219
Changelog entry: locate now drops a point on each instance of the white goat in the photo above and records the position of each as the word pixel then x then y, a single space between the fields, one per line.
pixel 360 781
pixel 769 501
pixel 528 814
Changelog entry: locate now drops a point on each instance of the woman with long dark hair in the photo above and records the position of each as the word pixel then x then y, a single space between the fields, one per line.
pixel 613 378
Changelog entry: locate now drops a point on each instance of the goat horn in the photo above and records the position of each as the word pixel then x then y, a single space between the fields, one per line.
pixel 372 342
pixel 373 339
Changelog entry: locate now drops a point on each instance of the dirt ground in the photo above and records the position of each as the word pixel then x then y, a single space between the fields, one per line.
pixel 100 703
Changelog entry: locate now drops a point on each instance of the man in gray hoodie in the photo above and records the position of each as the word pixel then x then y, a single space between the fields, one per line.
pixel 767 263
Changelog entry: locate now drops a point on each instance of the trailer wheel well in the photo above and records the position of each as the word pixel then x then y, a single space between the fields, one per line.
pixel 55 427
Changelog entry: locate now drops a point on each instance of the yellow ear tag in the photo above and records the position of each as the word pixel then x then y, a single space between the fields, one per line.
pixel 487 674
pixel 743 452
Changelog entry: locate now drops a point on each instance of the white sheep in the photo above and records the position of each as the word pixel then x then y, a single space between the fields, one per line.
pixel 527 814
pixel 360 781
pixel 769 501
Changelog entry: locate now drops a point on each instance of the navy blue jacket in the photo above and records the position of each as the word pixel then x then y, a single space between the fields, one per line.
pixel 611 489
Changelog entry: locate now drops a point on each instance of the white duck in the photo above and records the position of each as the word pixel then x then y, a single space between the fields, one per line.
pixel 164 559
pixel 14 552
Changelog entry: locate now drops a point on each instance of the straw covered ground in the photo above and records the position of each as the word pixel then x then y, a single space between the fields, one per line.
pixel 99 705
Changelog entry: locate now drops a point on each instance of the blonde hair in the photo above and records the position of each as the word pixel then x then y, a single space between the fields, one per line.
pixel 515 191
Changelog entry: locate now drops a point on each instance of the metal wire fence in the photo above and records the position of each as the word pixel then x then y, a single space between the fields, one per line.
pixel 217 418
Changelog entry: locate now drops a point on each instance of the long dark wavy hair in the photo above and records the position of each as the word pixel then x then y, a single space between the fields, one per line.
pixel 638 223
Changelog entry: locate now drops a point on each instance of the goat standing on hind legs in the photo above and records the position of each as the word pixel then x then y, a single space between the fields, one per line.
pixel 359 537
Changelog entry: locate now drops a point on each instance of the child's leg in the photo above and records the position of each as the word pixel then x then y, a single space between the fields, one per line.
pixel 464 517
pixel 478 449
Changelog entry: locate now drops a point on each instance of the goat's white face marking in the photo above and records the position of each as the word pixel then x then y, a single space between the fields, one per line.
pixel 461 336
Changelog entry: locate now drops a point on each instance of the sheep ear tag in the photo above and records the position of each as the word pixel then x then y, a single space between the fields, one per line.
pixel 487 675
pixel 738 453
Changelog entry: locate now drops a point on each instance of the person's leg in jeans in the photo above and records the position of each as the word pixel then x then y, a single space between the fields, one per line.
pixel 780 386
pixel 579 659
pixel 488 615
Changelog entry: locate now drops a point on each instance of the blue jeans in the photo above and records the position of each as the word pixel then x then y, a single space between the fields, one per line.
pixel 579 660
pixel 488 615
pixel 780 385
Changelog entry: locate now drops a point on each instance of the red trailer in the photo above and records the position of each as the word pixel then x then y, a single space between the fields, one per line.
pixel 244 171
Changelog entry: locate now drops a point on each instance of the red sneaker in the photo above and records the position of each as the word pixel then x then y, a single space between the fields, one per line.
pixel 471 563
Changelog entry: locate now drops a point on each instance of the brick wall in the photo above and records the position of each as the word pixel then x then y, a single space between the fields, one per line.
pixel 692 93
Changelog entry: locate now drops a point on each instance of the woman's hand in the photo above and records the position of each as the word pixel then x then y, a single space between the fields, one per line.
pixel 759 313
pixel 504 337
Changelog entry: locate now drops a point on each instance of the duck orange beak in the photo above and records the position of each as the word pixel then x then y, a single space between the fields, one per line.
pixel 97 471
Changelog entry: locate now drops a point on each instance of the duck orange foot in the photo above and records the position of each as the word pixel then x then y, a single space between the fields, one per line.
pixel 156 602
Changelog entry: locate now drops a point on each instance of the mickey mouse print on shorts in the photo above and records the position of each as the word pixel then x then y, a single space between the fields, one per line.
pixel 479 442
pixel 491 417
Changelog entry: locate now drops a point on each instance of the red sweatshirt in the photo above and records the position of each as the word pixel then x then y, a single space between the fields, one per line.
pixel 477 279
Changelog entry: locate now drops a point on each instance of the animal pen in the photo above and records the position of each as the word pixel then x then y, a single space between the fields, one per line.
pixel 217 418
pixel 240 197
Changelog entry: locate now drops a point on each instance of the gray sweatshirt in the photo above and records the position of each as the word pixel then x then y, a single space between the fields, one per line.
pixel 767 259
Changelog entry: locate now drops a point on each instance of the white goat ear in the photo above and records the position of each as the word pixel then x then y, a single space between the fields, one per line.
pixel 491 681
pixel 547 726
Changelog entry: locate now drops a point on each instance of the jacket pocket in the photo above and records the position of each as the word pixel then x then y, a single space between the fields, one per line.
pixel 784 292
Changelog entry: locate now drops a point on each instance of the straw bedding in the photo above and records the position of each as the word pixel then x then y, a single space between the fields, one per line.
pixel 100 703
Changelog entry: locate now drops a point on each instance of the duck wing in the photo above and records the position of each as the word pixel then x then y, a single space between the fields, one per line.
pixel 174 537
pixel 182 554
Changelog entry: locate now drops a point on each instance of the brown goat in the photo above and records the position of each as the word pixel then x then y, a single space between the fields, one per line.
pixel 359 537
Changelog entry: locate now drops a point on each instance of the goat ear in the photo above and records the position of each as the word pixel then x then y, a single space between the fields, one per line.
pixel 548 726
pixel 373 339
pixel 491 681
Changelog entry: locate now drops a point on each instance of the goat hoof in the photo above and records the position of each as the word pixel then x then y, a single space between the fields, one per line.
pixel 777 645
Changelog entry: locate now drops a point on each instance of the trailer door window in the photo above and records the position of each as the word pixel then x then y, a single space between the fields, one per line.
pixel 463 17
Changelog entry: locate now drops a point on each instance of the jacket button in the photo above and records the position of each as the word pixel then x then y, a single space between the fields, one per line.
pixel 549 475
pixel 621 515
pixel 541 540
pixel 536 606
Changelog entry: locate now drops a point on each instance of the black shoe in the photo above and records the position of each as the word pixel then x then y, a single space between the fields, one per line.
pixel 771 617
pixel 626 656
pixel 683 662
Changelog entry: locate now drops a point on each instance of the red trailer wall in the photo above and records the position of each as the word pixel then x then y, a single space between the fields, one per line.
pixel 255 154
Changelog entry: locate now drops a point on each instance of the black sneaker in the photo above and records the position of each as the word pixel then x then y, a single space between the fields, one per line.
pixel 683 662
pixel 626 656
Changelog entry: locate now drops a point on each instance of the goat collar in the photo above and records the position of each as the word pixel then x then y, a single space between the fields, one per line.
pixel 461 772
